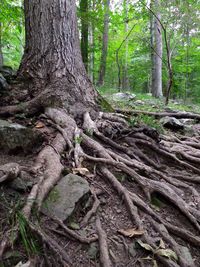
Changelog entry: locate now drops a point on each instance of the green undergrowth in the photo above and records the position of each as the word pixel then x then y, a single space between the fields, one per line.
pixel 146 120
pixel 149 103
pixel 145 102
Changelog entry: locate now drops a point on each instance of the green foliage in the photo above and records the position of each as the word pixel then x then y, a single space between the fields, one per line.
pixel 105 105
pixel 12 31
pixel 29 242
pixel 180 18
pixel 146 120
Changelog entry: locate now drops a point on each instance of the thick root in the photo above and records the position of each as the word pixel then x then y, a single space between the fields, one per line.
pixel 124 156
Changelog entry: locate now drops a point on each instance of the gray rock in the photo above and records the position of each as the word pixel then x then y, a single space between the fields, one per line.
pixel 93 251
pixel 139 102
pixel 22 183
pixel 123 96
pixel 172 123
pixel 187 256
pixel 3 83
pixel 15 137
pixel 187 121
pixel 66 196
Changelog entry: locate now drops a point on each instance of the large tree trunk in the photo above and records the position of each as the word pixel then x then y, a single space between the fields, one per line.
pixel 102 69
pixel 52 64
pixel 84 31
pixel 1 53
pixel 157 56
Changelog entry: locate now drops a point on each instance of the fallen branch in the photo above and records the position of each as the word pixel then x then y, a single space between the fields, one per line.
pixel 176 114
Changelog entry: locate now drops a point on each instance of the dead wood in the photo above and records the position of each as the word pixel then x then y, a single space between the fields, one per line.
pixel 175 114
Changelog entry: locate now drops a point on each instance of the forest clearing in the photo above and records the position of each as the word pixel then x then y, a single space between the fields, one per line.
pixel 99 133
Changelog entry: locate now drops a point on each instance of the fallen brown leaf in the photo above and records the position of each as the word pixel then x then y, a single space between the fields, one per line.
pixel 39 125
pixel 82 171
pixel 131 232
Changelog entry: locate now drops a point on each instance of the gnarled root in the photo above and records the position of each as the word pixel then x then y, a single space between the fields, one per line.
pixel 124 156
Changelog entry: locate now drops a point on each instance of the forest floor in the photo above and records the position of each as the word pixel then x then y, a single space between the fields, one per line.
pixel 173 154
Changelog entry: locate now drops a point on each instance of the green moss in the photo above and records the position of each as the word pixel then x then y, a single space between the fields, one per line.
pixel 105 106
pixel 53 196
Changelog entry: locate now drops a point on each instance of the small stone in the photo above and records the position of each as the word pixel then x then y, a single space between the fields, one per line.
pixel 187 121
pixel 93 251
pixel 103 201
pixel 119 211
pixel 172 123
pixel 123 96
pixel 139 102
pixel 132 251
pixel 187 255
pixel 18 185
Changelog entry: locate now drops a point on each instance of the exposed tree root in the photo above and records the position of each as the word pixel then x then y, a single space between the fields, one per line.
pixel 125 156
pixel 53 245
pixel 178 115
pixel 91 212
pixel 104 251
pixel 73 234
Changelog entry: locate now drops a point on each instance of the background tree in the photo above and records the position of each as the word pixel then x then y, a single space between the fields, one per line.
pixel 125 80
pixel 104 52
pixel 157 51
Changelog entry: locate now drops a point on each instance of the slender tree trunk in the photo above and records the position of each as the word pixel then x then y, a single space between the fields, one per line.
pixel 151 48
pixel 52 64
pixel 104 52
pixel 92 45
pixel 84 31
pixel 1 53
pixel 187 36
pixel 158 53
pixel 125 84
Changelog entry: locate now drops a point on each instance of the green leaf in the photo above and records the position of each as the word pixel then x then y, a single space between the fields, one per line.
pixel 145 246
pixel 168 253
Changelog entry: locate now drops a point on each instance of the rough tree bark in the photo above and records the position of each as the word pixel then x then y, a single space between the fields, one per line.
pixel 102 69
pixel 157 53
pixel 52 66
pixel 84 31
